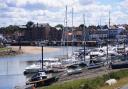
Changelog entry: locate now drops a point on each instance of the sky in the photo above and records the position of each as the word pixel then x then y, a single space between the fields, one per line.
pixel 19 12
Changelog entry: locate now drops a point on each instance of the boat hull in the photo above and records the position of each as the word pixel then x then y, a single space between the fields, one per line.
pixel 95 66
pixel 31 71
pixel 119 66
pixel 43 82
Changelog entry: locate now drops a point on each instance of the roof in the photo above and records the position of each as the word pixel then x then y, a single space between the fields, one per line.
pixel 22 26
pixel 41 24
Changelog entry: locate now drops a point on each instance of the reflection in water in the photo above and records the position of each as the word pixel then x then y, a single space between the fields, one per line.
pixel 12 67
pixel 11 74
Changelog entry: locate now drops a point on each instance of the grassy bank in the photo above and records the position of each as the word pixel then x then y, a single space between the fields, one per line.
pixel 94 83
pixel 8 52
pixel 4 49
pixel 120 83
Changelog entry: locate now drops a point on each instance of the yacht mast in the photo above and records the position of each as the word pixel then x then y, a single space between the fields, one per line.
pixel 109 20
pixel 72 30
pixel 66 29
pixel 108 37
pixel 84 34
pixel 42 57
pixel 63 36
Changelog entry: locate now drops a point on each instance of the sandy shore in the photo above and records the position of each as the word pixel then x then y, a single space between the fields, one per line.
pixel 34 50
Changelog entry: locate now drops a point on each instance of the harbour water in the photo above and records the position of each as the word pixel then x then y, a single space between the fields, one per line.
pixel 12 67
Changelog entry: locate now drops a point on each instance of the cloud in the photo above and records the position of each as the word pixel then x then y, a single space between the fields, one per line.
pixel 124 4
pixel 3 5
pixel 86 2
pixel 53 11
pixel 119 17
pixel 35 6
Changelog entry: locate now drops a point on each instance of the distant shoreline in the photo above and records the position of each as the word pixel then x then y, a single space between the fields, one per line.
pixel 34 49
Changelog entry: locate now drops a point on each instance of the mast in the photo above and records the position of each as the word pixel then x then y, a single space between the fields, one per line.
pixel 109 20
pixel 66 29
pixel 124 49
pixel 108 38
pixel 84 34
pixel 42 49
pixel 72 16
pixel 42 57
pixel 72 30
pixel 102 34
pixel 63 37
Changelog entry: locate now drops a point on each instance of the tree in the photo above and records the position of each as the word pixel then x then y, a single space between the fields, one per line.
pixel 59 26
pixel 29 24
pixel 82 25
pixel 11 29
pixel 29 27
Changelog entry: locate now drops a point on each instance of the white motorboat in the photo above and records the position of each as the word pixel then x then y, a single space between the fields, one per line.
pixel 73 69
pixel 70 61
pixel 32 69
pixel 51 60
pixel 53 65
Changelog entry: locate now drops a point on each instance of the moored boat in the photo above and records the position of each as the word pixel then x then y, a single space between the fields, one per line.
pixel 32 69
pixel 73 69
pixel 41 79
pixel 119 65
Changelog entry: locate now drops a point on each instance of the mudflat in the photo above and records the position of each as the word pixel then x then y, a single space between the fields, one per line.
pixel 34 49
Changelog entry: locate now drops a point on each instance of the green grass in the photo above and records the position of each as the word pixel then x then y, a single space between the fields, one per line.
pixel 92 83
pixel 4 49
pixel 120 83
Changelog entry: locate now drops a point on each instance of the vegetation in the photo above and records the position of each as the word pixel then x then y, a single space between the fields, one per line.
pixel 4 49
pixel 10 29
pixel 29 24
pixel 60 26
pixel 94 83
pixel 120 83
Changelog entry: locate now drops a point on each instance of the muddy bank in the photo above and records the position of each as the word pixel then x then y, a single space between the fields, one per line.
pixel 34 49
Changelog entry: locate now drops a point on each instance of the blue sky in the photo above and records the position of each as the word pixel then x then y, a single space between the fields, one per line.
pixel 18 12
